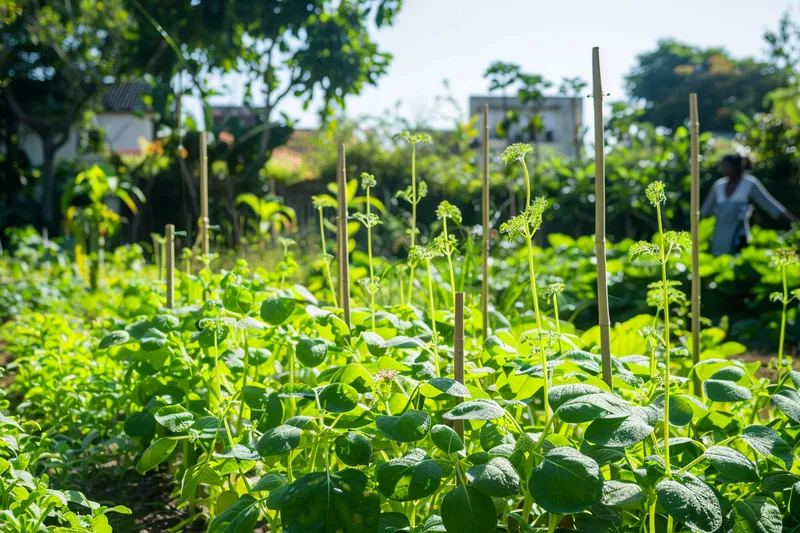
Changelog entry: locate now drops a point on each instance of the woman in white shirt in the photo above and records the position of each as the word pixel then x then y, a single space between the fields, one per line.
pixel 730 202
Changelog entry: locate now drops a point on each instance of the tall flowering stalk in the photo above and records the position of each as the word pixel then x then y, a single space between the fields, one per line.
pixel 671 242
pixel 321 202
pixel 551 292
pixel 427 254
pixel 413 194
pixel 369 221
pixel 446 242
pixel 784 257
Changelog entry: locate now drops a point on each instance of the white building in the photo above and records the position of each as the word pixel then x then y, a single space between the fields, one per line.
pixel 562 119
pixel 124 119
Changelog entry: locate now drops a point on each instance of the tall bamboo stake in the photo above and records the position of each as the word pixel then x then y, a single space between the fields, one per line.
pixel 694 126
pixel 204 190
pixel 169 234
pixel 341 236
pixel 458 354
pixel 600 218
pixel 485 209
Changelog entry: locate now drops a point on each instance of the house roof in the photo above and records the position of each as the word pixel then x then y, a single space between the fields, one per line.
pixel 126 97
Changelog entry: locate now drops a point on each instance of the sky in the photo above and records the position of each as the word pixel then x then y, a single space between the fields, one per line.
pixel 434 40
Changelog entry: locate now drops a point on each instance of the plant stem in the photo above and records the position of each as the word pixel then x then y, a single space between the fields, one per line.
pixel 325 258
pixel 558 323
pixel 450 263
pixel 371 271
pixel 433 318
pixel 783 320
pixel 666 339
pixel 413 216
pixel 527 185
pixel 539 327
pixel 246 369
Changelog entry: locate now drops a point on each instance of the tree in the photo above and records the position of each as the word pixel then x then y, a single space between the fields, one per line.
pixel 55 60
pixel 663 78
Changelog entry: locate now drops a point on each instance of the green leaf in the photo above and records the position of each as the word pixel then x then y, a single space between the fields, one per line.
pixel 241 517
pixel 356 376
pixel 757 514
pixel 466 510
pixel 411 426
pixel 495 478
pixel 621 493
pixel 311 353
pixel 157 453
pixel 270 482
pixel 433 387
pixel 731 463
pixel 788 401
pixel 592 406
pixel 141 424
pixel 276 310
pixel 689 500
pixel 768 443
pixel 353 449
pixel 338 398
pixel 481 409
pixel 563 393
pixel 681 409
pixel 279 440
pixel 392 522
pixel 335 501
pixel 446 439
pixel 175 418
pixel 718 390
pixel 115 338
pixel 619 432
pixel 410 477
pixel 566 481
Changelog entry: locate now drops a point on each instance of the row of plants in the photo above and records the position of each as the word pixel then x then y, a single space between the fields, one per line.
pixel 270 410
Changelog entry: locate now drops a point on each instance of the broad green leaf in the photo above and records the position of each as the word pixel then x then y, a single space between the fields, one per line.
pixel 446 439
pixel 270 482
pixel 410 477
pixel 115 338
pixel 495 478
pixel 561 394
pixel 156 454
pixel 241 517
pixel 311 353
pixel 353 449
pixel 175 418
pixel 681 409
pixel 768 443
pixel 731 463
pixel 718 390
pixel 621 493
pixel 335 501
pixel 338 398
pixel 436 386
pixel 356 376
pixel 690 501
pixel 411 426
pixel 757 514
pixel 618 432
pixel 392 522
pixel 278 440
pixel 481 409
pixel 237 298
pixel 566 481
pixel 141 424
pixel 592 406
pixel 467 510
pixel 788 401
pixel 276 310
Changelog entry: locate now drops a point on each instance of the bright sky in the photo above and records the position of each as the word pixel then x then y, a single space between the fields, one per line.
pixel 433 40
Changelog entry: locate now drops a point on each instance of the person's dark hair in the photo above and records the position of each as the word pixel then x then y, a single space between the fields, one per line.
pixel 746 163
pixel 735 160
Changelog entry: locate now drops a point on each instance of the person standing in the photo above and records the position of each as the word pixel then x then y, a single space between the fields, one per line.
pixel 730 202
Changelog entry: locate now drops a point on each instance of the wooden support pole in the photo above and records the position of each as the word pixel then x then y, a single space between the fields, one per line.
pixel 600 219
pixel 694 126
pixel 169 235
pixel 341 235
pixel 204 190
pixel 458 354
pixel 485 213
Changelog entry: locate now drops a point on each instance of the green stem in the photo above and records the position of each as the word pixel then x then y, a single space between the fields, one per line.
pixel 653 516
pixel 413 215
pixel 543 354
pixel 558 323
pixel 450 263
pixel 783 320
pixel 371 271
pixel 527 185
pixel 666 339
pixel 246 369
pixel 433 318
pixel 325 259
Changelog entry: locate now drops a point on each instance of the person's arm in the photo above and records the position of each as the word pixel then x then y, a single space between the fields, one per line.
pixel 710 202
pixel 767 202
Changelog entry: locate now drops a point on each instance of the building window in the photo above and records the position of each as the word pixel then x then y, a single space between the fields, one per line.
pixel 549 136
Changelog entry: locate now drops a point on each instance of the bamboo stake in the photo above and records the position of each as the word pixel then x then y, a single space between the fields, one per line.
pixel 694 126
pixel 170 244
pixel 600 218
pixel 458 354
pixel 485 210
pixel 341 236
pixel 204 190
